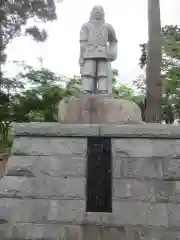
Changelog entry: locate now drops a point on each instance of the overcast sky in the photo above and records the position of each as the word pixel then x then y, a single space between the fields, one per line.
pixel 61 50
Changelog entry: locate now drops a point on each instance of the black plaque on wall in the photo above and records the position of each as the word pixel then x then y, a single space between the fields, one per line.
pixel 99 175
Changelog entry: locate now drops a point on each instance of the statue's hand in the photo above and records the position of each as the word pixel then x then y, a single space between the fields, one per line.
pixel 81 62
pixel 112 51
pixel 112 56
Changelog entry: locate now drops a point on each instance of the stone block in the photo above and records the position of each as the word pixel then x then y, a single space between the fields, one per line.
pixel 143 190
pixel 117 167
pixel 5 232
pixel 176 195
pixel 133 213
pixel 98 109
pixel 46 231
pixel 171 167
pixel 149 130
pixel 42 187
pixel 173 215
pixel 143 131
pixel 8 210
pixel 54 231
pixel 40 146
pixel 145 147
pixel 163 191
pixel 130 189
pixel 173 210
pixel 41 210
pixel 63 231
pixel 54 166
pixel 73 211
pixel 75 166
pixel 28 231
pixel 145 233
pixel 21 231
pixel 139 167
pixel 171 234
pixel 138 213
pixel 103 233
pixel 55 129
pixel 22 165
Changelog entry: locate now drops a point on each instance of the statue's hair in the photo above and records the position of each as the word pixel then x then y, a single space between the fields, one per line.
pixel 99 8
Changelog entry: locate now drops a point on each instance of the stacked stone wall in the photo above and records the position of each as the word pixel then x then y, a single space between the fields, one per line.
pixel 43 193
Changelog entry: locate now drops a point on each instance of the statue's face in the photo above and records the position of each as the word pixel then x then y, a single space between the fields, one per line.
pixel 97 13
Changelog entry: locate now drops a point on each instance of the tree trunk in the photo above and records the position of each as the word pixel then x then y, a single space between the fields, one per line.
pixel 153 76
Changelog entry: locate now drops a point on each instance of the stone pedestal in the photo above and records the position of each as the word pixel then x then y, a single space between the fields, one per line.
pixel 98 109
pixel 43 194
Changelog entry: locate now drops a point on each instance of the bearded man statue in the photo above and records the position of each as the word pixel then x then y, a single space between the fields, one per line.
pixel 98 48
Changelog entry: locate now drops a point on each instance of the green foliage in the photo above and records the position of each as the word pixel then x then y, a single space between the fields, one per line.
pixel 14 16
pixel 170 72
pixel 123 91
pixel 73 86
pixel 4 114
pixel 7 94
pixel 39 103
pixel 170 49
pixel 120 90
pixel 18 12
pixel 126 92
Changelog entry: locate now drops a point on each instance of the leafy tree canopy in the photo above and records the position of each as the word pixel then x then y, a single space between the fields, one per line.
pixel 170 71
pixel 14 16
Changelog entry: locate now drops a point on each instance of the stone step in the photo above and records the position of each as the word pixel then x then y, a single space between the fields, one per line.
pixel 57 231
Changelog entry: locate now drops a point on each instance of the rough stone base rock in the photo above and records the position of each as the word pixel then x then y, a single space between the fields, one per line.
pixel 98 109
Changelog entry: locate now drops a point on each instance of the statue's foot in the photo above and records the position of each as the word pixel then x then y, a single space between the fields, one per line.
pixel 95 92
pixel 87 92
pixel 103 92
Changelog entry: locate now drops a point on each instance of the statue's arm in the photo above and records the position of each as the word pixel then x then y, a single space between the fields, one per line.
pixel 112 43
pixel 83 42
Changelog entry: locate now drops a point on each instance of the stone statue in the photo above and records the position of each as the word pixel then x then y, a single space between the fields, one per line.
pixel 98 47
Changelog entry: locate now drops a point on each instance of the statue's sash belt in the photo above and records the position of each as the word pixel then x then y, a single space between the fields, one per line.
pixel 96 51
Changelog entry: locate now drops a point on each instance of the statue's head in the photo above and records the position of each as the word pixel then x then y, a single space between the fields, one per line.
pixel 97 13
